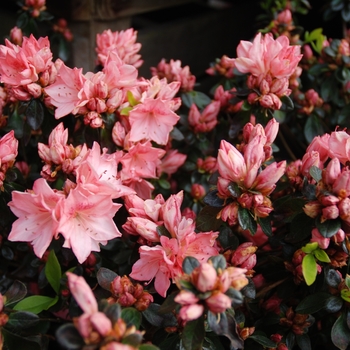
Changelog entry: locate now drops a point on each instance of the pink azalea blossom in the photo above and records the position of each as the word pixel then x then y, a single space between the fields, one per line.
pixel 36 221
pixel 206 120
pixel 171 162
pixel 339 146
pixel 122 42
pixel 152 120
pixel 163 262
pixel 86 220
pixel 64 93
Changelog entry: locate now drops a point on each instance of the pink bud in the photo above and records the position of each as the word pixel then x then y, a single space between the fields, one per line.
pixel 206 278
pixel 16 36
pixel 323 242
pixel 332 171
pixel 101 323
pixel 197 191
pixel 280 86
pixel 218 302
pixel 312 209
pixel 330 212
pixel 186 297
pixel 344 209
pixel 191 312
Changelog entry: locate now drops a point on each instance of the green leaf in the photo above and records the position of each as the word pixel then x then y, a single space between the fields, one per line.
pixel 63 49
pixel 315 302
pixel 148 347
pixel 36 303
pixel 153 316
pixel 345 294
pixel 303 340
pixel 310 247
pixel 340 333
pixel 328 228
pixel 263 340
pixel 15 341
pixel 132 317
pixel 332 277
pixel 163 183
pixel 246 220
pixel 316 173
pixel 131 99
pixel 218 261
pixel 105 277
pixel 189 264
pixel 228 239
pixel 207 219
pixel 321 255
pixel 347 280
pixel 22 319
pixel 35 114
pixel 287 101
pixel 309 268
pixel 15 293
pixel 265 224
pixel 313 127
pixel 193 334
pixel 53 271
pixel 69 338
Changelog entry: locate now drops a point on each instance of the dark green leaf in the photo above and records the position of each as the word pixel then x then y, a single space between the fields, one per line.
pixel 234 190
pixel 15 341
pixel 313 127
pixel 148 347
pixel 313 303
pixel 63 50
pixel 22 20
pixel 21 320
pixel 35 114
pixel 113 312
pixel 265 224
pixel 105 277
pixel 36 303
pixel 328 228
pixel 235 296
pixel 263 340
pixel 300 228
pixel 132 317
pixel 246 220
pixel 154 317
pixel 163 183
pixel 133 339
pixel 15 293
pixel 332 277
pixel 309 268
pixel 218 323
pixel 193 334
pixel 53 271
pixel 303 341
pixel 168 304
pixel 218 261
pixel 249 290
pixel 213 200
pixel 340 333
pixel 189 264
pixel 227 238
pixel 69 338
pixel 207 219
pixel 287 101
pixel 316 173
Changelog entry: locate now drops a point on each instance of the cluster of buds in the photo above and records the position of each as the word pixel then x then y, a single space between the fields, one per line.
pixel 128 294
pixel 298 323
pixel 336 53
pixel 277 338
pixel 228 101
pixel 173 71
pixel 205 120
pixel 308 101
pixel 8 154
pixel 57 155
pixel 209 286
pixel 295 266
pixel 223 66
pixel 283 25
pixel 34 7
pixel 243 257
pixel 244 181
pixel 61 27
pixel 94 326
pixel 207 165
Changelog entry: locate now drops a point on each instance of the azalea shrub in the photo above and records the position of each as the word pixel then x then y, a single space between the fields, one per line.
pixel 145 213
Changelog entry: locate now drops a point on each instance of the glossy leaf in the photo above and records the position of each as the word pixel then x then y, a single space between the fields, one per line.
pixel 207 219
pixel 53 271
pixel 35 114
pixel 246 220
pixel 15 293
pixel 22 319
pixel 309 268
pixel 340 333
pixel 193 334
pixel 36 303
pixel 69 337
pixel 132 317
pixel 321 255
pixel 105 277
pixel 189 264
pixel 328 228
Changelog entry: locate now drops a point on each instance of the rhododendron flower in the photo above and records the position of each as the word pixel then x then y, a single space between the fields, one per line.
pixel 123 43
pixel 163 262
pixel 86 220
pixel 152 120
pixel 36 221
pixel 206 120
pixel 21 66
pixel 171 162
pixel 173 71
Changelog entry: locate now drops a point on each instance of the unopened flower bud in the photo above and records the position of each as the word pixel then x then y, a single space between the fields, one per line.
pixel 206 278
pixel 218 302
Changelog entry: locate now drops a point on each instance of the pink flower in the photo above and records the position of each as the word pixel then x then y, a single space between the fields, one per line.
pixel 206 278
pixel 123 43
pixel 205 121
pixel 8 150
pixel 173 71
pixel 36 221
pixel 191 312
pixel 323 242
pixel 86 220
pixel 218 302
pixel 141 161
pixel 171 162
pixel 339 146
pixel 64 93
pixel 152 120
